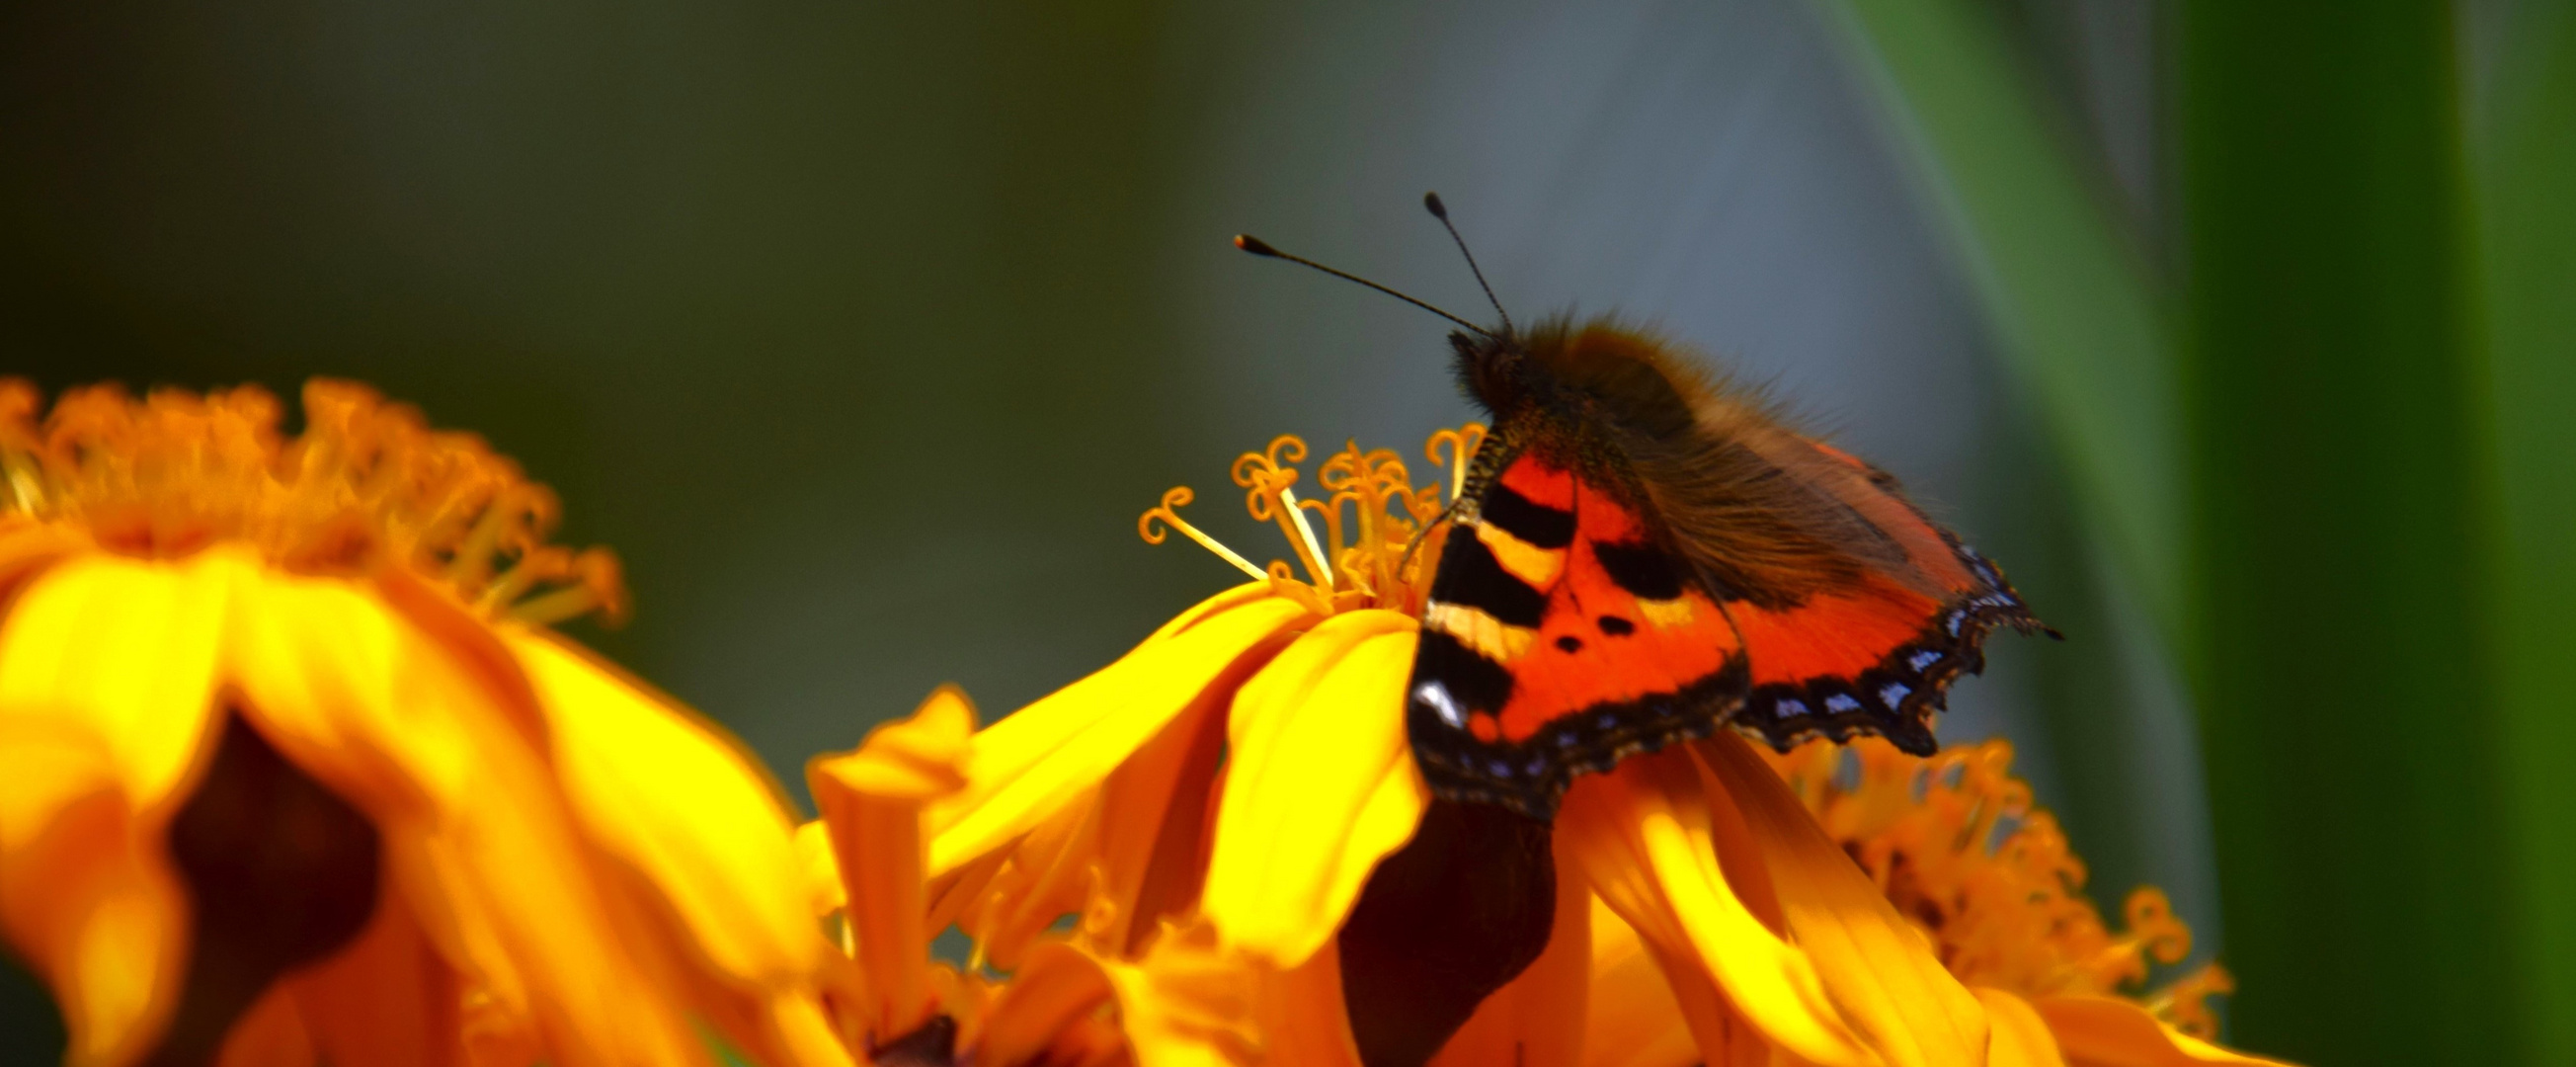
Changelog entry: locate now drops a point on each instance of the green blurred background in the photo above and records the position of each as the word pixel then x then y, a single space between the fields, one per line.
pixel 2242 333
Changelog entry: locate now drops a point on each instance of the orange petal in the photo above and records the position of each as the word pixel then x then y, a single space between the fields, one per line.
pixel 872 801
pixel 2110 1032
pixel 107 674
pixel 2021 1037
pixel 478 836
pixel 1891 989
pixel 386 999
pixel 1301 1016
pixel 1537 1019
pixel 1319 786
pixel 1039 759
pixel 1644 839
pixel 1633 1020
pixel 677 801
pixel 270 1034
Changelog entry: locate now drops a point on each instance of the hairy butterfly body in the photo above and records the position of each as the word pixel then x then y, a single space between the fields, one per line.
pixel 1643 553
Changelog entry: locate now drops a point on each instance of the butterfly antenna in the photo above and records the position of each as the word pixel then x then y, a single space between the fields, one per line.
pixel 1441 211
pixel 1259 247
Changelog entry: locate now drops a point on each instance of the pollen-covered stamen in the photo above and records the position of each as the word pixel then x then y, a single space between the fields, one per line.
pixel 367 485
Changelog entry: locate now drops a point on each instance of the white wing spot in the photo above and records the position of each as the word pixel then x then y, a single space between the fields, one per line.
pixel 1437 697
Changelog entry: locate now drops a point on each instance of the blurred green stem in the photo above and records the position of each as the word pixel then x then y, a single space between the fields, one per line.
pixel 2340 502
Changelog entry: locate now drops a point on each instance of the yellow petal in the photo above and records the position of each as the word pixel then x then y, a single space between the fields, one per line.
pixel 1633 1019
pixel 107 674
pixel 1319 787
pixel 1881 973
pixel 420 736
pixel 1188 1003
pixel 677 801
pixel 1537 1019
pixel 128 649
pixel 1055 987
pixel 824 893
pixel 271 1034
pixel 1643 837
pixel 2109 1032
pixel 872 801
pixel 1153 825
pixel 2021 1037
pixel 1039 759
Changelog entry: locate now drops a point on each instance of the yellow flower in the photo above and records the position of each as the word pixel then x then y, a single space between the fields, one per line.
pixel 291 770
pixel 1079 997
pixel 1248 762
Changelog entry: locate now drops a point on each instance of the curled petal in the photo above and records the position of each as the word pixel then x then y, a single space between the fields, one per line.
pixel 1634 1020
pixel 477 835
pixel 98 755
pixel 872 801
pixel 1041 758
pixel 2110 1032
pixel 718 850
pixel 1880 971
pixel 1321 786
pixel 2021 1037
pixel 1643 837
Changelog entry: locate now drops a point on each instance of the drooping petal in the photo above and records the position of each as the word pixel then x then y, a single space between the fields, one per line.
pixel 872 801
pixel 1643 837
pixel 1878 968
pixel 1633 1020
pixel 1537 1019
pixel 2110 1032
pixel 1037 760
pixel 1320 786
pixel 2021 1037
pixel 478 836
pixel 85 898
pixel 98 754
pixel 678 801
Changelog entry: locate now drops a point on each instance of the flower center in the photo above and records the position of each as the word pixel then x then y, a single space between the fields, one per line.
pixel 366 485
pixel 1376 550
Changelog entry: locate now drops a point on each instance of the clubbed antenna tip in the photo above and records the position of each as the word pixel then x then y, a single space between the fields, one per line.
pixel 1256 246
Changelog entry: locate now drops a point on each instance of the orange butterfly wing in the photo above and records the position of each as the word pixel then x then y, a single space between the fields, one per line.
pixel 1557 639
pixel 1876 657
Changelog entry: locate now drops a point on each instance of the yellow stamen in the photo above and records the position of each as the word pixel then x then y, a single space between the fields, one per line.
pixel 1462 443
pixel 1362 562
pixel 1176 497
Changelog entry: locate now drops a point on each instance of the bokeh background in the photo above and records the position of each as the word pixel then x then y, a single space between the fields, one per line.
pixel 2245 335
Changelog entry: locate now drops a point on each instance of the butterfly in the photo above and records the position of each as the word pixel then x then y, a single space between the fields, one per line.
pixel 1644 552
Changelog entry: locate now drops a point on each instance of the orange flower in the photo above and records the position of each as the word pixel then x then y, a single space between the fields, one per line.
pixel 292 771
pixel 1248 763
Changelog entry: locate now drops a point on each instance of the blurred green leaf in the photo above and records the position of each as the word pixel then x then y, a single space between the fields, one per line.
pixel 2525 156
pixel 2079 323
pixel 2340 483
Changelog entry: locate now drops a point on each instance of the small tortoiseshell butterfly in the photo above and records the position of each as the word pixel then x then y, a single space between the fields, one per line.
pixel 1643 553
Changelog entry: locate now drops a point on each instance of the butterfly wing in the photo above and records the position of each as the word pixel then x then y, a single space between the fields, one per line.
pixel 1558 638
pixel 1877 653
